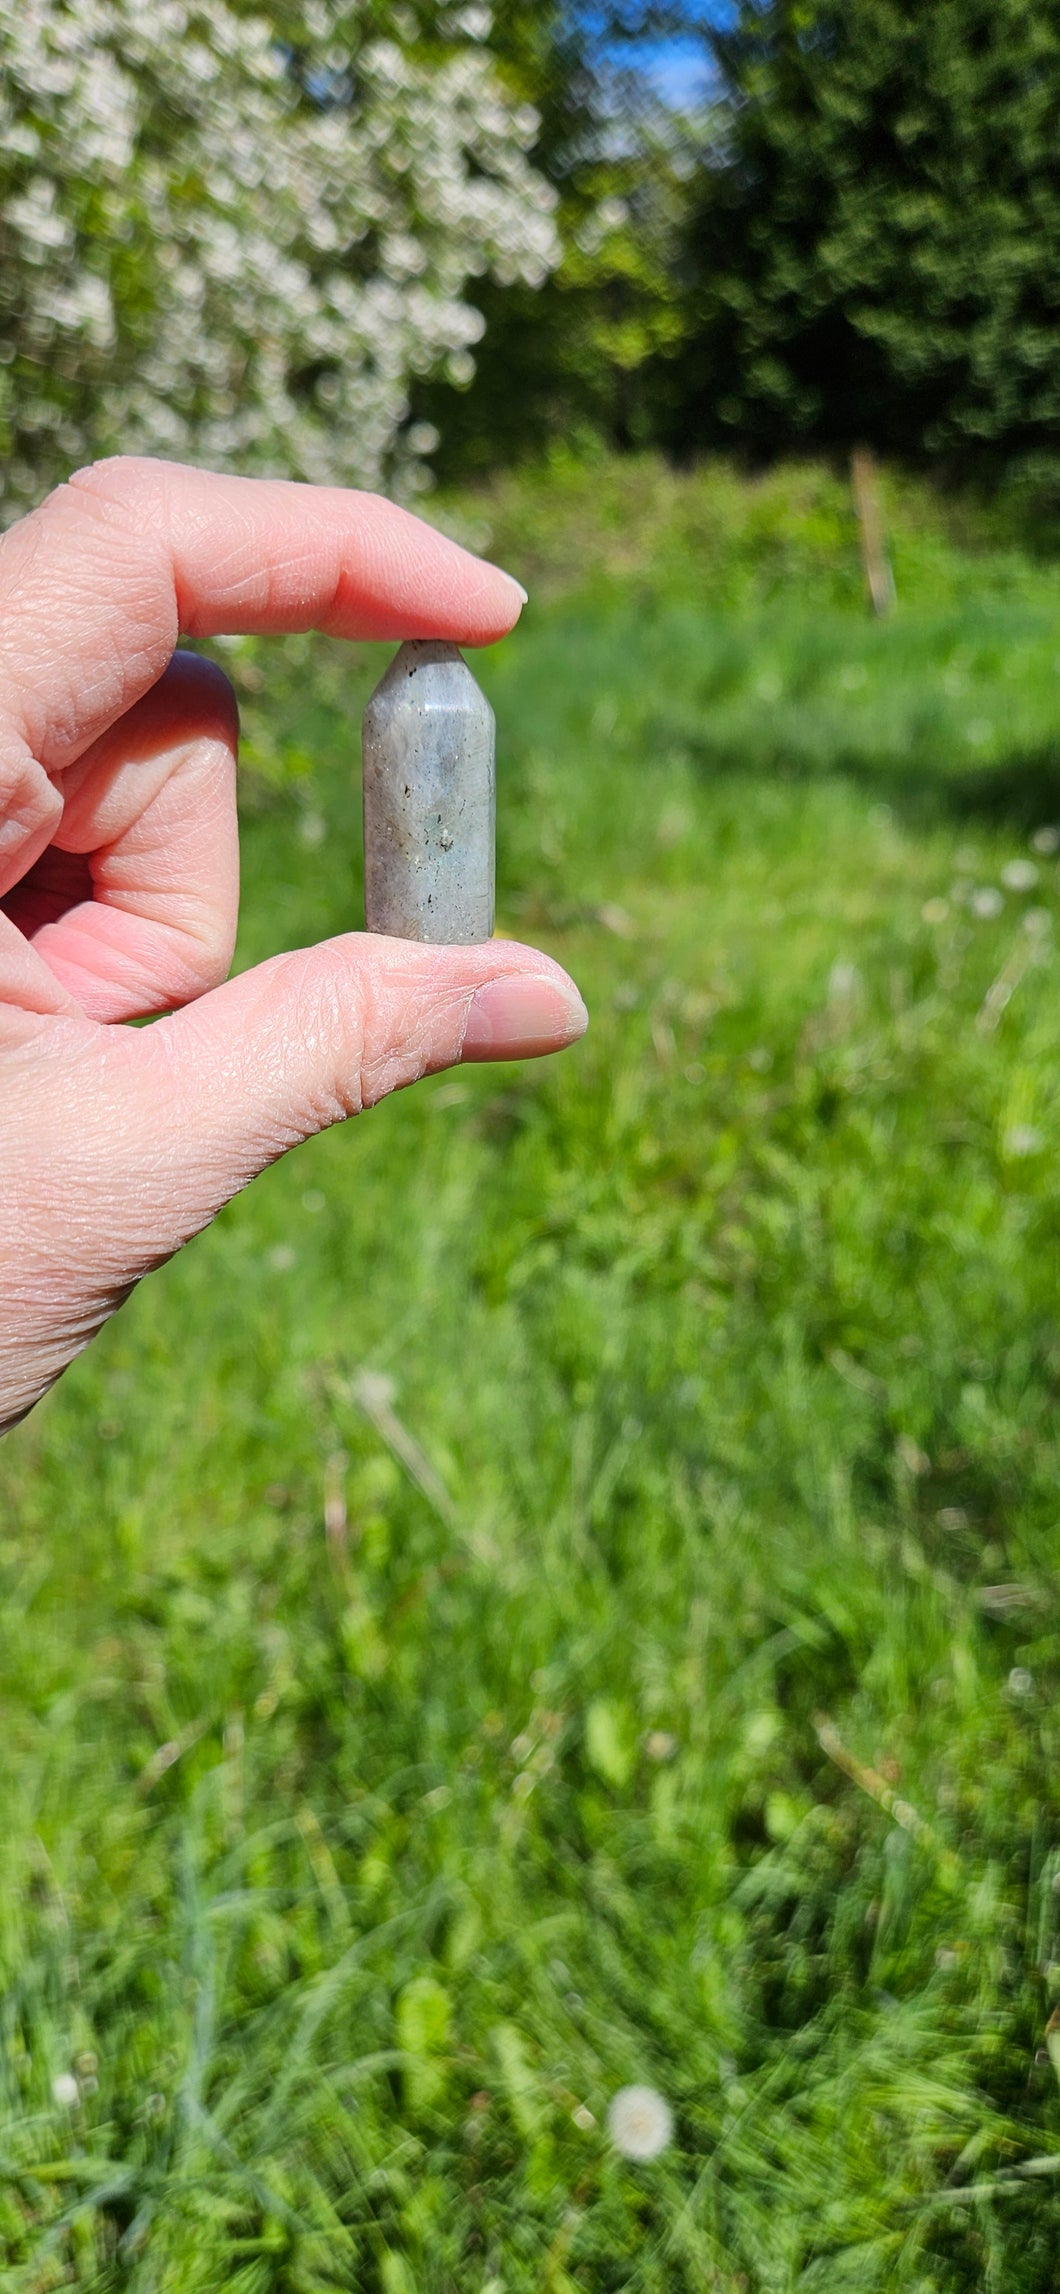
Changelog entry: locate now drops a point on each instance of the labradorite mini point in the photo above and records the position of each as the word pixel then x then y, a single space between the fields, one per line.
pixel 429 746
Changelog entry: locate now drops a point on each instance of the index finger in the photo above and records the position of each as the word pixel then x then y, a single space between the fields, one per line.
pixel 97 585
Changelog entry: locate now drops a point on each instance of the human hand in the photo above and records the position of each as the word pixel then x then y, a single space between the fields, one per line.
pixel 119 882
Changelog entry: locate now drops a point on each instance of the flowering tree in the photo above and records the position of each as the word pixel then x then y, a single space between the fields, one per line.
pixel 238 231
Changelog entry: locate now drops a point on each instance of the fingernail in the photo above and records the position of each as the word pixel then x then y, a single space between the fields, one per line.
pixel 521 1016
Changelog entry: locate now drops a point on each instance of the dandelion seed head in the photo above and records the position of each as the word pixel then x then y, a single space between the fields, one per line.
pixel 1019 875
pixel 65 2091
pixel 986 902
pixel 935 911
pixel 1046 839
pixel 640 2122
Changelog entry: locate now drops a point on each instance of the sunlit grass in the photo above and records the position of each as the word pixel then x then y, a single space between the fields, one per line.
pixel 647 1674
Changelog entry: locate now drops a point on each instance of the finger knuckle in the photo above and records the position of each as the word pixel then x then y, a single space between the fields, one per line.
pixel 205 960
pixel 29 800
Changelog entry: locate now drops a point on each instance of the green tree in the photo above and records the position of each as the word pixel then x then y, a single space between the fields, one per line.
pixel 875 244
pixel 580 352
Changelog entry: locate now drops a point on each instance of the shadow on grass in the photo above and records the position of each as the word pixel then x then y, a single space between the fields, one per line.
pixel 1021 790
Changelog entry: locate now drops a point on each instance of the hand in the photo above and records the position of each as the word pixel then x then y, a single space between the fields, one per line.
pixel 119 882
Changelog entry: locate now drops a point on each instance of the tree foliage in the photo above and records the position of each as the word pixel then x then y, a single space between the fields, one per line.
pixel 579 353
pixel 238 231
pixel 875 247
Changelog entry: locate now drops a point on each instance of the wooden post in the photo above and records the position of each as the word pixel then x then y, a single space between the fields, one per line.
pixel 878 574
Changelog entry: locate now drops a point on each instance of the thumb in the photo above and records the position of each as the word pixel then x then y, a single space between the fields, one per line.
pixel 122 1144
pixel 309 1038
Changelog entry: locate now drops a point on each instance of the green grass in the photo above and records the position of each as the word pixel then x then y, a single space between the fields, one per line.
pixel 657 1680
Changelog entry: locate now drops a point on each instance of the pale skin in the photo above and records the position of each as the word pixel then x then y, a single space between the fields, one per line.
pixel 119 882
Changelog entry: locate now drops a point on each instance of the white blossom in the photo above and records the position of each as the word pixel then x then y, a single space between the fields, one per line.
pixel 204 252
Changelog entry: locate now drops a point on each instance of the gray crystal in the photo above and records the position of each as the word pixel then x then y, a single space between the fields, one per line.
pixel 429 744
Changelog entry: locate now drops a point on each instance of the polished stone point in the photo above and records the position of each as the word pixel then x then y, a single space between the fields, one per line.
pixel 429 805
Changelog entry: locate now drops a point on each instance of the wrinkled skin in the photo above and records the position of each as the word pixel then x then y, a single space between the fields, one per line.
pixel 119 879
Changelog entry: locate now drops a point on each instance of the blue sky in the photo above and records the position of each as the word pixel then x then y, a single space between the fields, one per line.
pixel 679 69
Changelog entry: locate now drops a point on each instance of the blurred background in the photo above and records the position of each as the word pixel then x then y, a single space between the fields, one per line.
pixel 557 1591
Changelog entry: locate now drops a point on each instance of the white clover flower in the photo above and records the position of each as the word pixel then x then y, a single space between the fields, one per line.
pixel 1019 875
pixel 640 2122
pixel 65 2091
pixel 1022 1139
pixel 844 981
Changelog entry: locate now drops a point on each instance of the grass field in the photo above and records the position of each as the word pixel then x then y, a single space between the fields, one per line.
pixel 559 1587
